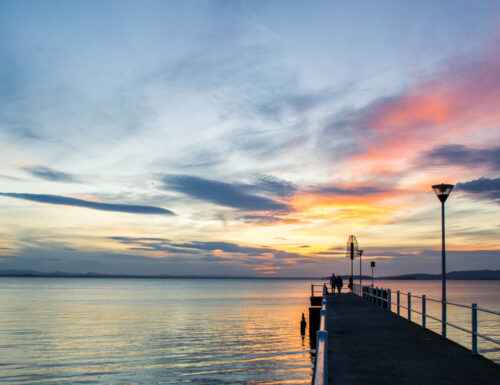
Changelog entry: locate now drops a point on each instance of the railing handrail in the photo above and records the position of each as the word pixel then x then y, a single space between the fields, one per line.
pixel 321 362
pixel 373 293
pixel 488 310
pixel 321 366
pixel 317 289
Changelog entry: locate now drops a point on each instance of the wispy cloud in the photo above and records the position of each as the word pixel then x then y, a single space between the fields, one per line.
pixel 221 193
pixel 49 174
pixel 216 250
pixel 347 191
pixel 266 219
pixel 67 201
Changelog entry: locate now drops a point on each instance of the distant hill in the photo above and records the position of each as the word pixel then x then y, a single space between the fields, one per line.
pixel 454 275
pixel 61 274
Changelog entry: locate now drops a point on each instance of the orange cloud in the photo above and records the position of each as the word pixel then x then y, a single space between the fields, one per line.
pixel 368 209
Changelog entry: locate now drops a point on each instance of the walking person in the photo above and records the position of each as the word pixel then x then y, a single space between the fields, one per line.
pixel 332 283
pixel 339 283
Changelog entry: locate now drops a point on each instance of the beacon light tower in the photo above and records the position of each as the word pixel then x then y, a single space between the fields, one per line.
pixel 352 252
pixel 443 191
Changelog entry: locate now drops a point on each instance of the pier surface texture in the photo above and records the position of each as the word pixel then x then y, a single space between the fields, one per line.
pixel 368 345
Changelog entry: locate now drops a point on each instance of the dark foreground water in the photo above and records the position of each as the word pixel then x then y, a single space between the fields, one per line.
pixel 153 331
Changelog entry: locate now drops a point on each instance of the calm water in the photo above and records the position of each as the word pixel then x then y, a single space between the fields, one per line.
pixel 171 331
pixel 485 294
pixel 147 331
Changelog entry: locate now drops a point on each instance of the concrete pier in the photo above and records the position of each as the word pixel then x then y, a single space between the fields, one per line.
pixel 368 345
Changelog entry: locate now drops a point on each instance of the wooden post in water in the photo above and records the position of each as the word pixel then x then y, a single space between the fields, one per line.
pixel 303 325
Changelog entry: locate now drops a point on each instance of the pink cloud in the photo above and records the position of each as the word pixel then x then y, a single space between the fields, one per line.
pixel 441 109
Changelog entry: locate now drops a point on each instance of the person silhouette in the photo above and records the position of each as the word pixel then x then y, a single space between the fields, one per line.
pixel 339 283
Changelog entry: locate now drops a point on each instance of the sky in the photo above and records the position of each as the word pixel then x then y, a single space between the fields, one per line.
pixel 248 138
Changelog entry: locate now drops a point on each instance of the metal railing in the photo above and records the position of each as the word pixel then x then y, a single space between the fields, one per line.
pixel 318 290
pixel 382 297
pixel 320 376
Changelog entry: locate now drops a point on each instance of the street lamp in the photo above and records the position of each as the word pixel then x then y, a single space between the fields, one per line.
pixel 442 191
pixel 360 276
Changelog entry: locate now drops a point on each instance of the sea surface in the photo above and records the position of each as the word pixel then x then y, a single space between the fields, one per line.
pixel 195 331
pixel 153 331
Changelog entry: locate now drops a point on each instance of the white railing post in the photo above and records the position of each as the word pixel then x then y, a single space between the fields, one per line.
pixel 409 306
pixel 399 302
pixel 474 329
pixel 322 314
pixel 321 370
pixel 389 305
pixel 423 311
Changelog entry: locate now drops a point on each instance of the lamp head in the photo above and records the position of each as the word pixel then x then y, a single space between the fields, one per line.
pixel 352 247
pixel 442 191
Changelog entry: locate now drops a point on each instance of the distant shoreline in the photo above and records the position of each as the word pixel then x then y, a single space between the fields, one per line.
pixel 468 275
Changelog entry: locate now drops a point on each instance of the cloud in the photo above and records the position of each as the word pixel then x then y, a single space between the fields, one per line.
pixel 50 174
pixel 67 201
pixel 456 154
pixel 274 186
pixel 233 252
pixel 485 187
pixel 152 244
pixel 221 193
pixel 266 219
pixel 226 247
pixel 356 191
pixel 8 177
pixel 436 110
pixel 289 101
pixel 139 239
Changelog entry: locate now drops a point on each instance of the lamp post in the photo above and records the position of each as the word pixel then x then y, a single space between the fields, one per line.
pixel 360 276
pixel 443 191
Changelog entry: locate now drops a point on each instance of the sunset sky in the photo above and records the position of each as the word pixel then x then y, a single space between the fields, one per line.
pixel 248 137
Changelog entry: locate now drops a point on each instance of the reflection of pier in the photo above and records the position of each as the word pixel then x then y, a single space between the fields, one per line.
pixel 367 344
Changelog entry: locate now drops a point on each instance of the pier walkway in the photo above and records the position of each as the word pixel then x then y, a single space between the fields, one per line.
pixel 368 345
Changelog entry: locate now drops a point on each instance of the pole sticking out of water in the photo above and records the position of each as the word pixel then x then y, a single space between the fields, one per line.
pixel 372 265
pixel 360 272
